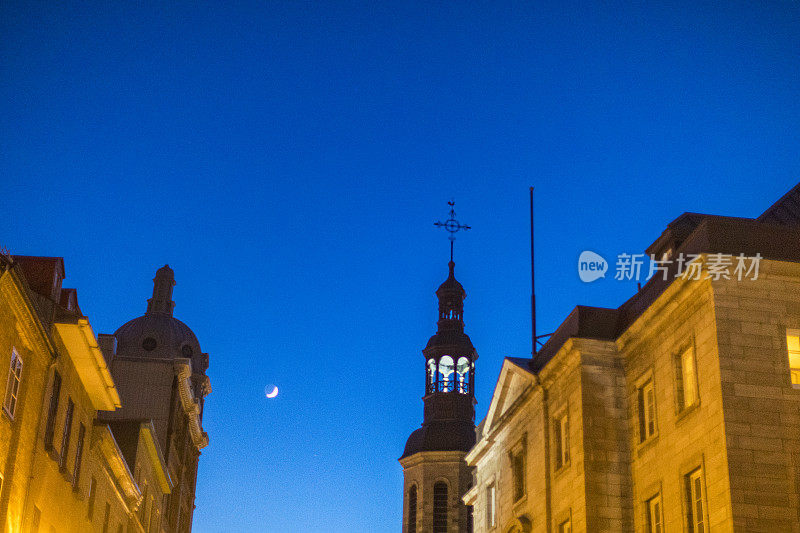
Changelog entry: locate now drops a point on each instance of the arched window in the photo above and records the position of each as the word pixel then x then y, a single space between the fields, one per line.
pixel 463 370
pixel 412 509
pixel 446 367
pixel 440 507
pixel 431 370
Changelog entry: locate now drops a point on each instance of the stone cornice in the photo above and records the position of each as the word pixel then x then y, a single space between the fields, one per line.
pixel 183 371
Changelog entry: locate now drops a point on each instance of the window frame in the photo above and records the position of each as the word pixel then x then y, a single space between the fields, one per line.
pixel 52 410
pixel 411 521
pixel 66 436
pixel 491 505
pixel 518 462
pixel 13 384
pixel 679 363
pixel 561 440
pixel 644 435
pixel 793 371
pixel 693 480
pixel 91 496
pixel 76 466
pixel 658 527
pixel 436 527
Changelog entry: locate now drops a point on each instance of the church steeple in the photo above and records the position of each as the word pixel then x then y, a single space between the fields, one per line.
pixel 434 482
pixel 161 302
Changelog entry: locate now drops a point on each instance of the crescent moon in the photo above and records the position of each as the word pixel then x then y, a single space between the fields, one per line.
pixel 273 393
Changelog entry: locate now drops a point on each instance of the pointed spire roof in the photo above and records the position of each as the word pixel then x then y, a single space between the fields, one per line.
pixel 451 285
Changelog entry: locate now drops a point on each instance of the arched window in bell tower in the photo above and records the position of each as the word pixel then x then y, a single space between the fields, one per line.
pixel 440 507
pixel 412 509
pixel 445 377
pixel 463 376
pixel 431 371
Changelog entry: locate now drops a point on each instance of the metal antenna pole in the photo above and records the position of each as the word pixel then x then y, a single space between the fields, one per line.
pixel 533 286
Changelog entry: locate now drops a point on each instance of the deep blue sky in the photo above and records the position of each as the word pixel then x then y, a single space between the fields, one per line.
pixel 287 159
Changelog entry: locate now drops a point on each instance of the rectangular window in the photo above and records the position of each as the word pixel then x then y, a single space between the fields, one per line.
pixel 687 378
pixel 143 507
pixel 12 385
pixel 37 518
pixel 518 470
pixel 52 411
pixel 491 512
pixel 62 459
pixel 92 495
pixel 106 517
pixel 561 434
pixel 565 526
pixel 695 502
pixel 76 469
pixel 647 411
pixel 793 344
pixel 654 515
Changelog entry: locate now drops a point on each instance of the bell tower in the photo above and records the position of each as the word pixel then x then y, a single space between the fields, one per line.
pixel 435 473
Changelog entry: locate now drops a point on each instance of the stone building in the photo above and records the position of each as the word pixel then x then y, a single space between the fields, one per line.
pixel 160 372
pixel 70 461
pixel 677 411
pixel 435 473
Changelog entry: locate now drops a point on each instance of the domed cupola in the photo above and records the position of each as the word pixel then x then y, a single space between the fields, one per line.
pixel 158 334
pixel 449 412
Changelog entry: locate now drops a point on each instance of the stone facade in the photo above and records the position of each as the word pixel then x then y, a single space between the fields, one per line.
pixel 68 461
pixel 646 450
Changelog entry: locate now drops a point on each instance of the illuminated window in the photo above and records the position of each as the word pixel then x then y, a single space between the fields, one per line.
pixel 793 343
pixel 91 497
pixel 462 373
pixel 647 410
pixel 62 459
pixel 52 411
pixel 687 378
pixel 695 502
pixel 412 509
pixel 440 507
pixel 491 509
pixel 12 385
pixel 654 515
pixel 446 367
pixel 565 526
pixel 561 438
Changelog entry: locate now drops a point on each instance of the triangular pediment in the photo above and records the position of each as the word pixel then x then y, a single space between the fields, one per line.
pixel 513 381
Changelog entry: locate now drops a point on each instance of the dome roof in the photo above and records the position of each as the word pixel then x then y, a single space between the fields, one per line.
pixel 444 435
pixel 156 335
pixel 451 285
pixel 450 338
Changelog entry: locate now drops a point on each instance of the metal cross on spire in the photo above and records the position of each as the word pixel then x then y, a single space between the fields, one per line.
pixel 452 226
